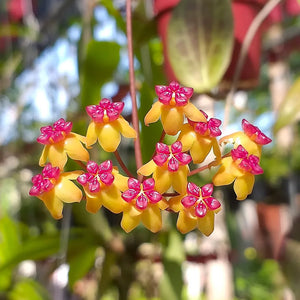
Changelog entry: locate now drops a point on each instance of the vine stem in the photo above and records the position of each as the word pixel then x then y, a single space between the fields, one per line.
pixel 121 163
pixel 135 119
pixel 260 17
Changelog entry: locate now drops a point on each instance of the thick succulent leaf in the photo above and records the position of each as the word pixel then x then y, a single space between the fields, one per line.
pixel 289 111
pixel 200 40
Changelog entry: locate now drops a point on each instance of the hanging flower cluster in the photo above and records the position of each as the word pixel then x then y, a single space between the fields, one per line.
pixel 160 184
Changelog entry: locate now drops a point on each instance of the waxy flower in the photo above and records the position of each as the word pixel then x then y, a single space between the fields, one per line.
pixel 144 204
pixel 197 208
pixel 169 167
pixel 240 168
pixel 59 142
pixel 107 125
pixel 100 188
pixel 251 138
pixel 54 188
pixel 172 105
pixel 200 138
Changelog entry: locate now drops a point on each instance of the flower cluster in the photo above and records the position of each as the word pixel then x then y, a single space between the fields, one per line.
pixel 161 183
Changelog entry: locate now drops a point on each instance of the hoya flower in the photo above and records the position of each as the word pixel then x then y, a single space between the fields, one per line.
pixel 172 105
pixel 107 125
pixel 239 168
pixel 100 188
pixel 54 188
pixel 59 143
pixel 200 138
pixel 197 208
pixel 251 138
pixel 143 204
pixel 169 167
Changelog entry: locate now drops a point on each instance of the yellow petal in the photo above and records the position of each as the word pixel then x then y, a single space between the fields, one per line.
pixel 93 204
pixel 109 137
pixel 92 134
pixel 44 156
pixel 120 181
pixel 79 137
pixel 53 204
pixel 216 149
pixel 147 169
pixel 67 191
pixel 175 203
pixel 125 129
pixel 75 149
pixel 151 218
pixel 57 155
pixel 162 180
pixel 187 137
pixel 193 113
pixel 72 175
pixel 111 199
pixel 206 224
pixel 200 149
pixel 154 113
pixel 172 119
pixel 179 179
pixel 185 222
pixel 130 219
pixel 223 176
pixel 163 204
pixel 243 186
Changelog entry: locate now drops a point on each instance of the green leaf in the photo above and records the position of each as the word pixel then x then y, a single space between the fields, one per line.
pixel 81 264
pixel 289 111
pixel 28 290
pixel 172 283
pixel 9 245
pixel 149 134
pixel 199 42
pixel 99 65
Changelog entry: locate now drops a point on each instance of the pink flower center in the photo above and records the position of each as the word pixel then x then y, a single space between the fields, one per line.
pixel 141 195
pixel 106 111
pixel 200 199
pixel 97 176
pixel 173 94
pixel 255 134
pixel 246 163
pixel 56 133
pixel 209 128
pixel 172 159
pixel 45 181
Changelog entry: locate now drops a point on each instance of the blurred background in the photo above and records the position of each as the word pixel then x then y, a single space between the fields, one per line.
pixel 242 57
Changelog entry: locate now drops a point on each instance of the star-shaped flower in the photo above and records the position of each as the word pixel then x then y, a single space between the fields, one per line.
pixel 100 188
pixel 200 138
pixel 169 167
pixel 240 168
pixel 143 204
pixel 59 143
pixel 251 138
pixel 172 106
pixel 197 208
pixel 54 188
pixel 107 125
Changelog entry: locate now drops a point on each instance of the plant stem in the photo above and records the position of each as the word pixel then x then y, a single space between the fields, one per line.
pixel 135 119
pixel 121 163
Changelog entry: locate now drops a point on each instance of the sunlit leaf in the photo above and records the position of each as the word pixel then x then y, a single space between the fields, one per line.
pixel 173 257
pixel 289 111
pixel 28 290
pixel 199 42
pixel 99 65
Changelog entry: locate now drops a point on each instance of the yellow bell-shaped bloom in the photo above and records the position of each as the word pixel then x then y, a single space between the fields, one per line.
pixel 197 209
pixel 54 188
pixel 60 143
pixel 239 168
pixel 172 106
pixel 107 125
pixel 143 204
